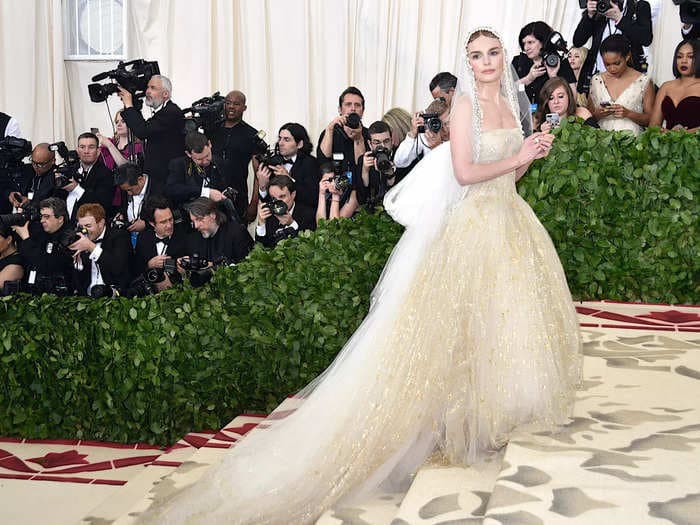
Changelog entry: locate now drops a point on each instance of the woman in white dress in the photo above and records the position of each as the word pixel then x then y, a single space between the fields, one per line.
pixel 471 334
pixel 621 97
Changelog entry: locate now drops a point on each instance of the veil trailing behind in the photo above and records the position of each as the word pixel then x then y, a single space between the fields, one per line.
pixel 471 335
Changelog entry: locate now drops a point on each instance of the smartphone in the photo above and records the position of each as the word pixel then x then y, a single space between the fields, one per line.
pixel 94 131
pixel 605 104
pixel 552 118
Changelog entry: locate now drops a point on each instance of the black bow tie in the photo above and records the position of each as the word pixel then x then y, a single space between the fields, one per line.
pixel 164 240
pixel 97 241
pixel 289 161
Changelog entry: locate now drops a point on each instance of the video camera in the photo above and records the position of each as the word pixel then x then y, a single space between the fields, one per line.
pixel 689 11
pixel 553 49
pixel 132 76
pixel 67 170
pixel 12 151
pixel 205 113
pixel 265 154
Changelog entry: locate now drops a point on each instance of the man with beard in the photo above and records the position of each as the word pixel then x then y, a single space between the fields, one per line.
pixel 163 133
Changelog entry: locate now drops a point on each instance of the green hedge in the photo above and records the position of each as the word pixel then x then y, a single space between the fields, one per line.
pixel 622 213
pixel 153 369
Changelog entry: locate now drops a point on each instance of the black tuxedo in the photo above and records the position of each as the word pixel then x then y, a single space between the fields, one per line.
pixel 306 175
pixel 42 186
pixel 231 241
pixel 164 138
pixel 46 255
pixel 185 181
pixel 304 216
pixel 99 188
pixel 635 25
pixel 146 248
pixel 113 261
pixel 126 202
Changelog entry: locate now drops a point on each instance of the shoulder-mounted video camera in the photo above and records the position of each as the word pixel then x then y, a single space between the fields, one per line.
pixel 206 113
pixel 12 151
pixel 132 76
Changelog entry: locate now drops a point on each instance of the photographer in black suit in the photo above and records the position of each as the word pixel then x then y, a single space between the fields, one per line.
pixel 136 190
pixel 102 254
pixel 48 262
pixel 631 18
pixel 294 145
pixel 216 238
pixel 277 221
pixel 94 181
pixel 200 173
pixel 163 133
pixel 163 240
pixel 340 138
pixel 37 182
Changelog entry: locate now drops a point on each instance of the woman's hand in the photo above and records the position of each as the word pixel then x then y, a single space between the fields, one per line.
pixel 536 146
pixel 618 111
pixel 546 127
pixel 536 71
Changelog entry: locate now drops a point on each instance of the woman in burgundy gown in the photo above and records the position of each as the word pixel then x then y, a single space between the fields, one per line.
pixel 677 104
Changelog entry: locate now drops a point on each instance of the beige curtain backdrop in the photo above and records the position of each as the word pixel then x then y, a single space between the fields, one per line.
pixel 291 58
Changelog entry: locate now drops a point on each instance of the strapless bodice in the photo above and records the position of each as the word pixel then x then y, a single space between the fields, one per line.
pixel 686 113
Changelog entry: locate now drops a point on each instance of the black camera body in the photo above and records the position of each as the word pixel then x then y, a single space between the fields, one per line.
pixel 68 169
pixel 29 213
pixel 265 154
pixel 12 151
pixel 194 263
pixel 352 120
pixel 277 207
pixel 431 122
pixel 689 11
pixel 73 235
pixel 132 76
pixel 157 275
pixel 206 113
pixel 553 49
pixel 383 159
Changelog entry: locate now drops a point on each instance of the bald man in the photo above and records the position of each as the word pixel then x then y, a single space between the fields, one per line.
pixel 36 182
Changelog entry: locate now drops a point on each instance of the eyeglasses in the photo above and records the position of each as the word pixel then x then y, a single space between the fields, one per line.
pixel 385 143
pixel 41 164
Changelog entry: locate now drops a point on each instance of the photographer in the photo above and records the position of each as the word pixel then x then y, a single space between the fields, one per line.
pixel 91 183
pixel 631 19
pixel 101 253
pixel 216 238
pixel 345 135
pixel 282 217
pixel 11 262
pixel 377 173
pixel 201 174
pixel 135 188
pixel 337 197
pixel 162 241
pixel 9 126
pixel 443 86
pixel 163 132
pixel 294 145
pixel 234 141
pixel 36 183
pixel 48 262
pixel 530 66
pixel 421 138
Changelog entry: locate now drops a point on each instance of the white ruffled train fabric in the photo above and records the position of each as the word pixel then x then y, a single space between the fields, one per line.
pixel 471 334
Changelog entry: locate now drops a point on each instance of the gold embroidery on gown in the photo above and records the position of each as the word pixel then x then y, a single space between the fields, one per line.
pixel 485 340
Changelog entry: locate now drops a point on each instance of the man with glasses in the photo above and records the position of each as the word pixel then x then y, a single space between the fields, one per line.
pixel 48 262
pixel 234 141
pixel 35 183
pixel 377 170
pixel 93 182
pixel 421 139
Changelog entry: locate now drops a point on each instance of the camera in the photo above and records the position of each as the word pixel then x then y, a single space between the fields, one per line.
pixel 29 213
pixel 67 171
pixel 431 121
pixel 553 49
pixel 73 235
pixel 689 11
pixel 118 223
pixel 12 151
pixel 52 284
pixel 352 120
pixel 194 263
pixel 157 275
pixel 383 158
pixel 264 153
pixel 206 113
pixel 132 76
pixel 284 233
pixel 277 207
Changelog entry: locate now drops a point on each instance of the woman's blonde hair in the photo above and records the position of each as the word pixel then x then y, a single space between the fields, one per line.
pixel 399 121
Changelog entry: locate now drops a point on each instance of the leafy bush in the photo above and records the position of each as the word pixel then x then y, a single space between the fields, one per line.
pixel 622 213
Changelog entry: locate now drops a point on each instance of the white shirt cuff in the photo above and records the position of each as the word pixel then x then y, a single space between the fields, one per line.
pixel 96 253
pixel 261 230
pixel 205 192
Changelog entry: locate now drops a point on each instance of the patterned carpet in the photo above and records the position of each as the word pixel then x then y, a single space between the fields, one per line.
pixel 630 454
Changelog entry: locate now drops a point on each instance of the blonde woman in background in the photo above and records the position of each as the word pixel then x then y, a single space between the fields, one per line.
pixel 399 121
pixel 577 56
